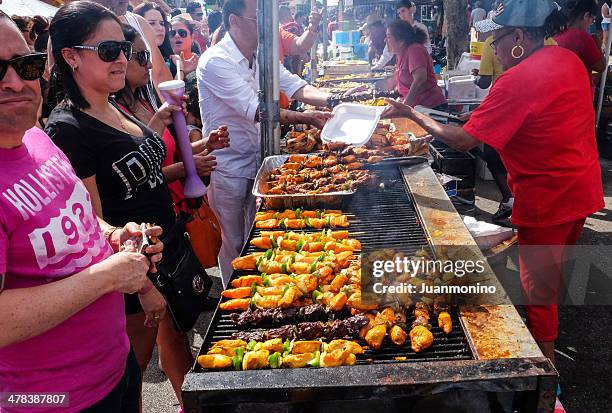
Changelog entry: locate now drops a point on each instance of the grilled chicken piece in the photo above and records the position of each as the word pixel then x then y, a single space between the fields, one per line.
pixel 300 347
pixel 374 159
pixel 215 361
pixel 375 336
pixel 334 358
pixel 398 335
pixel 275 290
pixel 354 165
pixel 226 347
pixel 420 338
pixel 297 158
pixel 313 162
pixel 273 345
pixel 254 360
pixel 247 262
pixel 247 281
pixel 297 360
pixel 337 303
pixel 330 160
pixel 354 301
pixel 444 318
pixel 288 299
pixel 350 346
pixel 236 304
pixel 266 301
pixel 240 292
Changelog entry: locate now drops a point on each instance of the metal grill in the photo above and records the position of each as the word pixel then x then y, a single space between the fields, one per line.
pixel 381 217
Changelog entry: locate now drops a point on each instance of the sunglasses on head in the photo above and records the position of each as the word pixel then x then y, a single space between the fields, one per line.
pixel 28 67
pixel 109 50
pixel 181 32
pixel 143 57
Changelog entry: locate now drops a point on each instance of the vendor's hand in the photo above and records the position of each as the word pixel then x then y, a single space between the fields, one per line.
pixel 395 109
pixel 218 139
pixel 464 117
pixel 189 65
pixel 204 163
pixel 314 20
pixel 154 306
pixel 163 116
pixel 131 232
pixel 316 118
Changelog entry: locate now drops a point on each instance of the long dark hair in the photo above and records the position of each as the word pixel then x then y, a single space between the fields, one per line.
pixel 125 96
pixel 72 25
pixel 573 10
pixel 165 49
pixel 405 32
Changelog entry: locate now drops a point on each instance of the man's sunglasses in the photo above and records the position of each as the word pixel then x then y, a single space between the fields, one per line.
pixel 28 67
pixel 109 50
pixel 142 57
pixel 181 32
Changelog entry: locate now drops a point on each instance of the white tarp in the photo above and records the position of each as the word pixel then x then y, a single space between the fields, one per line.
pixel 27 8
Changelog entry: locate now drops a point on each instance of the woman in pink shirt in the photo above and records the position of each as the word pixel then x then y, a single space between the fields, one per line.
pixel 414 75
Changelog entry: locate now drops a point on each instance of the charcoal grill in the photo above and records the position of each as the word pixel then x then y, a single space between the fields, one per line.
pixel 388 379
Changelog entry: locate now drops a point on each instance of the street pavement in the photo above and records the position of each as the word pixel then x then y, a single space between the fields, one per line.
pixel 584 346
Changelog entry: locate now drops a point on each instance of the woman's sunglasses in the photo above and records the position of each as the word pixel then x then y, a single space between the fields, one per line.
pixel 28 67
pixel 108 51
pixel 181 32
pixel 142 57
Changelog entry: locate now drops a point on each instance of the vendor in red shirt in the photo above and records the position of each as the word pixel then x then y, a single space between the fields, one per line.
pixel 539 117
pixel 414 75
pixel 579 15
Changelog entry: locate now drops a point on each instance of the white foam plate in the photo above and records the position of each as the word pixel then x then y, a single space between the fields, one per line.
pixel 352 124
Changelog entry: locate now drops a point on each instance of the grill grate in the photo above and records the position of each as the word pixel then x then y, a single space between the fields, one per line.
pixel 382 217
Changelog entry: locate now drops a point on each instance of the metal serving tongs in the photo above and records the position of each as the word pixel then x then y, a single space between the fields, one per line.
pixel 438 114
pixel 145 241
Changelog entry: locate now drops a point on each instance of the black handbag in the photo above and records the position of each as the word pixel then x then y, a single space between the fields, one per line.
pixel 180 277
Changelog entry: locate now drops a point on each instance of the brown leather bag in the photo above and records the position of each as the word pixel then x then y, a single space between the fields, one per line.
pixel 205 233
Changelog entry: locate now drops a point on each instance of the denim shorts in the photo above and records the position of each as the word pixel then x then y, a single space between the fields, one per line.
pixel 605 26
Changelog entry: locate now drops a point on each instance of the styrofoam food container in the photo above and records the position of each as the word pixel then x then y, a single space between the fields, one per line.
pixel 352 124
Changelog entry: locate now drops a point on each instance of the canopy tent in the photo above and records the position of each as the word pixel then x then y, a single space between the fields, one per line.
pixel 27 8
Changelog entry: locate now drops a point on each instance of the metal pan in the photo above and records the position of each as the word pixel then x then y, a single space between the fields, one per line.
pixel 295 200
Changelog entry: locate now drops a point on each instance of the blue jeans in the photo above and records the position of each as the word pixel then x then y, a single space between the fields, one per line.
pixel 125 397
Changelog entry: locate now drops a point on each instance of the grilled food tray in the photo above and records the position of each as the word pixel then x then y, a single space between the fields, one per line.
pixel 329 199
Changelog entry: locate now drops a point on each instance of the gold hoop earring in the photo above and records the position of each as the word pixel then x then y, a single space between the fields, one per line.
pixel 522 49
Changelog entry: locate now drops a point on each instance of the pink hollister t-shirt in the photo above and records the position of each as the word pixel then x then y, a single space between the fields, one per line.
pixel 49 231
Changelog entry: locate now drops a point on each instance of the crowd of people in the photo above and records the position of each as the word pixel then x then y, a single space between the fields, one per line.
pixel 90 152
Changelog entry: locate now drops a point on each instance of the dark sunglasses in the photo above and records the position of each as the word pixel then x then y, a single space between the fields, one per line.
pixel 181 32
pixel 28 67
pixel 142 57
pixel 108 50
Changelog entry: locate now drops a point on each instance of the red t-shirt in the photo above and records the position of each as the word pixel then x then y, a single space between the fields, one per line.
pixel 415 57
pixel 581 43
pixel 543 127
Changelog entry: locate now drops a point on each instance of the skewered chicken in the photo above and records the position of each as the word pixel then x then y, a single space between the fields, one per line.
pixel 275 354
pixel 420 334
pixel 444 318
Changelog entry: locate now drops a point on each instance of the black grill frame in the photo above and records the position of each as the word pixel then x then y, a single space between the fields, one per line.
pixel 384 384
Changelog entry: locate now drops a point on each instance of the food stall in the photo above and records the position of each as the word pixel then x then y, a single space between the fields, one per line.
pixel 297 328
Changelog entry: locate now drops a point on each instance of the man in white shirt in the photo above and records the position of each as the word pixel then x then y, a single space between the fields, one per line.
pixel 405 11
pixel 228 81
pixel 478 13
